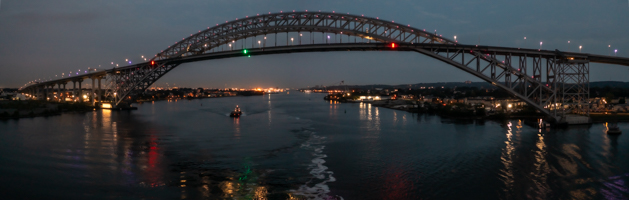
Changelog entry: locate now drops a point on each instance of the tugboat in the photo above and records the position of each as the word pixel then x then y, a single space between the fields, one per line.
pixel 613 129
pixel 236 112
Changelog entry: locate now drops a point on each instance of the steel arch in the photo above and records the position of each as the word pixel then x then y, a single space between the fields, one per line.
pixel 139 78
pixel 344 24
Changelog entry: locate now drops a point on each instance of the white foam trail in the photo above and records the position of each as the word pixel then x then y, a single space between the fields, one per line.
pixel 318 171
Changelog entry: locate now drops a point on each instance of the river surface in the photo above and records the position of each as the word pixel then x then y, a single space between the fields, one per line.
pixel 298 146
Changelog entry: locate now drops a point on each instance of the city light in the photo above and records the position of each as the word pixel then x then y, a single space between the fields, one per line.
pixel 244 51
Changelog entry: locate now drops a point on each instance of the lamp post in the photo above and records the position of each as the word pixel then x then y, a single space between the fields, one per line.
pixel 580 48
pixel 455 38
pixel 540 45
pixel 615 52
pixel 299 38
pixel 259 46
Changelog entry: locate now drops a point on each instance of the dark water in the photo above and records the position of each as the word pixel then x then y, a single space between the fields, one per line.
pixel 298 146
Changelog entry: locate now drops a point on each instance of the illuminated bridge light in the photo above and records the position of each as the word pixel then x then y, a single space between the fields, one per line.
pixel 393 45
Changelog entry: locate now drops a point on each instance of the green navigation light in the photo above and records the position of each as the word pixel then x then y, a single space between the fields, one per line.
pixel 244 51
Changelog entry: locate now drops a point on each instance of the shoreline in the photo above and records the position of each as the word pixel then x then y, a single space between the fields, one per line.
pixel 595 117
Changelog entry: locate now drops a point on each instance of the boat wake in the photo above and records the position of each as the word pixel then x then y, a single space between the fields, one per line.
pixel 243 114
pixel 316 187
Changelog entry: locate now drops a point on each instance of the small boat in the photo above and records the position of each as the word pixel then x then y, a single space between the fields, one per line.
pixel 613 129
pixel 236 112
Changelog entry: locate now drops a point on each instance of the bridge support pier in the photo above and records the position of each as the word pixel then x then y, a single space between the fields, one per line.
pixel 100 92
pixel 92 94
pixel 65 92
pixel 80 91
pixel 59 96
pixel 43 93
pixel 74 90
pixel 50 92
pixel 573 75
pixel 46 95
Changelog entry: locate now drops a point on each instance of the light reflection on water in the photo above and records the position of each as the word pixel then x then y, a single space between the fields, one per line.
pixel 300 147
pixel 507 173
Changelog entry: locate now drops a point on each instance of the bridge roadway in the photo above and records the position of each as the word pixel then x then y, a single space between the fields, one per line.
pixel 362 47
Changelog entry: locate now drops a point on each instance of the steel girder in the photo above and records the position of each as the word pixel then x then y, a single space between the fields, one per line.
pixel 575 86
pixel 499 71
pixel 344 24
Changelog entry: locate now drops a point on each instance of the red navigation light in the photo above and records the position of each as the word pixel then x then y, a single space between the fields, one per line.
pixel 152 62
pixel 393 45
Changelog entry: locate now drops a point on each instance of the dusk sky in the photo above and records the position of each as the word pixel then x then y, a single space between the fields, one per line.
pixel 44 38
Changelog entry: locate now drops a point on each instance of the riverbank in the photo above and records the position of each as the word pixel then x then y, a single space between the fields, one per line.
pixel 460 112
pixel 28 108
pixel 609 117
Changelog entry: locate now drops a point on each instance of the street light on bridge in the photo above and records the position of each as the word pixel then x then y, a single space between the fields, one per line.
pixel 291 41
pixel 540 45
pixel 615 52
pixel 580 48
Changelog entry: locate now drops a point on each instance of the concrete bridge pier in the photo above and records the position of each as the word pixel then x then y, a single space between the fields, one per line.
pixel 65 92
pixel 51 92
pixel 74 90
pixel 59 96
pixel 100 92
pixel 80 91
pixel 92 94
pixel 45 97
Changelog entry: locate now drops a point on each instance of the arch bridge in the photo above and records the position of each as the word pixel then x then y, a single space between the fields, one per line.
pixel 555 83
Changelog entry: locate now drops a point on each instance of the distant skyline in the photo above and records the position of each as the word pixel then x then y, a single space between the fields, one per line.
pixel 41 39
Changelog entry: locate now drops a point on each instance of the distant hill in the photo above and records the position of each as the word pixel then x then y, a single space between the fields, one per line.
pixel 611 84
pixel 601 84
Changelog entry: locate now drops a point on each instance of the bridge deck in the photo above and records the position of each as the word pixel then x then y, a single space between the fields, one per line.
pixel 363 47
